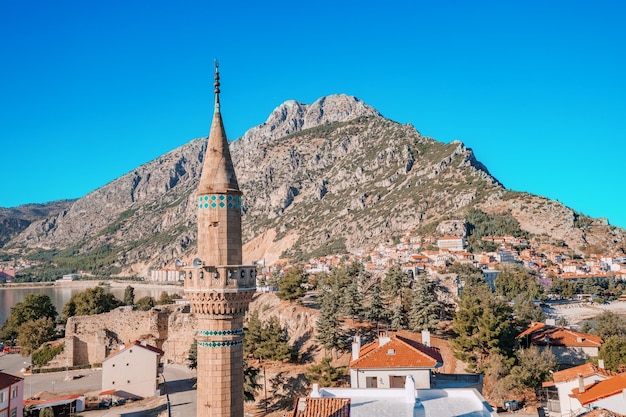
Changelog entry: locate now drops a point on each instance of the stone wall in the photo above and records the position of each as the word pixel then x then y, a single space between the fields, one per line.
pixel 90 339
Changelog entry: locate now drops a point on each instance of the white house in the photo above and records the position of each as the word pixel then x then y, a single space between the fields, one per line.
pixel 569 346
pixel 132 371
pixel 609 394
pixel 387 362
pixel 559 390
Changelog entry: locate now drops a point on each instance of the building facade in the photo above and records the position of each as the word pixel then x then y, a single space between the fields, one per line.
pixel 11 395
pixel 219 288
pixel 387 362
pixel 132 370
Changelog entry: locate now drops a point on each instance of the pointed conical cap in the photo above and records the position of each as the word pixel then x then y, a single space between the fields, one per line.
pixel 218 171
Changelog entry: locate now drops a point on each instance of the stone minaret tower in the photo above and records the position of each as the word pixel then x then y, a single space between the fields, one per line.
pixel 217 286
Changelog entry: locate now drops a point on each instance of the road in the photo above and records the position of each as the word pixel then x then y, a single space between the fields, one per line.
pixel 178 388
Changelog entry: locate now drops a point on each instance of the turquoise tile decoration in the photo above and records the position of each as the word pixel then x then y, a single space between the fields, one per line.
pixel 220 200
pixel 227 343
pixel 220 332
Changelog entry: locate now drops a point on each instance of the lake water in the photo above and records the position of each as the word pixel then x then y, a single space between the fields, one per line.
pixel 62 294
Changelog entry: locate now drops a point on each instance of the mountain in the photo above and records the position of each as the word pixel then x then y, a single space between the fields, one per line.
pixel 322 178
pixel 14 220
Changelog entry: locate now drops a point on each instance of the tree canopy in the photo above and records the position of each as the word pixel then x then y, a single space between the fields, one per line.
pixel 91 301
pixel 34 307
pixel 34 333
pixel 267 339
pixel 483 326
pixel 514 280
pixel 426 311
pixel 613 352
pixel 290 285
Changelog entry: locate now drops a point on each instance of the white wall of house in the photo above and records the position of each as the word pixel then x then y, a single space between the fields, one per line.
pixel 573 355
pixel 615 403
pixel 133 370
pixel 567 403
pixel 384 378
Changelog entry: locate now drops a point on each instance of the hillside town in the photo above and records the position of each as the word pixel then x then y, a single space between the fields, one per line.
pixel 432 255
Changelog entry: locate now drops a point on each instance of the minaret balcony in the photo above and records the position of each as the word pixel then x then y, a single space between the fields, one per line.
pixel 220 278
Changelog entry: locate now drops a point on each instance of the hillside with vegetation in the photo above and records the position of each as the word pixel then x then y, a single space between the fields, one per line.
pixel 334 176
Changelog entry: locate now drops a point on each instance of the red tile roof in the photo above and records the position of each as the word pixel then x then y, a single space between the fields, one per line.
pixel 399 352
pixel 544 335
pixel 6 380
pixel 322 407
pixel 534 326
pixel 603 389
pixel 586 370
pixel 137 343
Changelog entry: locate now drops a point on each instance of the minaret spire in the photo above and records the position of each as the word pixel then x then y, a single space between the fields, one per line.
pixel 217 85
pixel 218 172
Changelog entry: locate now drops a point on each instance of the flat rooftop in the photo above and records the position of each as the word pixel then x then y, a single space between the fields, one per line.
pixel 368 402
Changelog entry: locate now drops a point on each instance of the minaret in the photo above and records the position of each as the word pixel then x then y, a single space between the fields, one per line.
pixel 217 286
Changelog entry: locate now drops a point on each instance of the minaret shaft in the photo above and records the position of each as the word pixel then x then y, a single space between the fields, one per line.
pixel 218 287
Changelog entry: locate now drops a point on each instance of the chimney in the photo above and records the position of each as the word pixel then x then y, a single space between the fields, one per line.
pixel 601 363
pixel 383 338
pixel 356 347
pixel 426 337
pixel 409 390
pixel 581 384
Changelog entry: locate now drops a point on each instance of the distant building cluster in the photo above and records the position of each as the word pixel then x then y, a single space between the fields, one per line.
pixel 432 255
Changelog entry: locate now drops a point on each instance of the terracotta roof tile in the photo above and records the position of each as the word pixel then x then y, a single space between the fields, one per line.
pixel 137 343
pixel 586 370
pixel 603 389
pixel 399 352
pixel 322 407
pixel 543 335
pixel 534 326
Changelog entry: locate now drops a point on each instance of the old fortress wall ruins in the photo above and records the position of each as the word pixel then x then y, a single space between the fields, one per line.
pixel 90 339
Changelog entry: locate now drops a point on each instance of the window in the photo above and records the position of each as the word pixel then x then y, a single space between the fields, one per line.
pixel 3 398
pixel 13 412
pixel 13 392
pixel 3 413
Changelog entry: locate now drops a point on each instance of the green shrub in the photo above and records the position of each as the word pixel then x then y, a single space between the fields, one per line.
pixel 45 354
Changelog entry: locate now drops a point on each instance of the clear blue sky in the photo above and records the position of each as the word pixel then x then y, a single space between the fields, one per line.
pixel 91 90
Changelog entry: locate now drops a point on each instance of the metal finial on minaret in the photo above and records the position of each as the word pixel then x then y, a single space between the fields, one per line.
pixel 217 85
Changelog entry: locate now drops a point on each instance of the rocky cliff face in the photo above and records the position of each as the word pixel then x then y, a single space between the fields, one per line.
pixel 321 178
pixel 15 220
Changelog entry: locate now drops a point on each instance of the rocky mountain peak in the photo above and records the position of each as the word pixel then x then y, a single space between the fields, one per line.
pixel 292 116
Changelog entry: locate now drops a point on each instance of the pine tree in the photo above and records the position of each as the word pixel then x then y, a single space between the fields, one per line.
pixel 290 284
pixel 267 339
pixel 352 300
pixel 376 310
pixel 129 296
pixel 398 320
pixel 324 374
pixel 483 326
pixel 328 330
pixel 395 283
pixel 425 309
